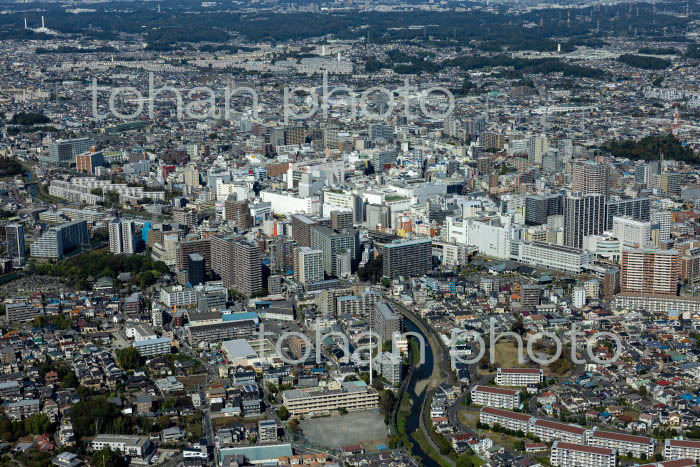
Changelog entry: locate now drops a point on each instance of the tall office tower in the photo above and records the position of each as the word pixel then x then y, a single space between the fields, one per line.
pixel 341 220
pixel 663 219
pixel 407 258
pixel 637 208
pixel 385 321
pixel 247 267
pixel 333 242
pixel 378 215
pixel 632 233
pixel 539 208
pixel 238 212
pixel 63 151
pixel 310 265
pixel 590 177
pixel 196 273
pixel 583 215
pixel 14 234
pixel 652 272
pixel 301 229
pixel 122 237
pixel 537 146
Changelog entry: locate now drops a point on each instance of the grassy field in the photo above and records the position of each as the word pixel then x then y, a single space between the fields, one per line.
pixel 506 356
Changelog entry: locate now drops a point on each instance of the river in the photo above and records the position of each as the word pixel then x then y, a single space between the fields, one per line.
pixel 416 390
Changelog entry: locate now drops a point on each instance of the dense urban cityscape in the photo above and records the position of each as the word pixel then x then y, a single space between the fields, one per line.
pixel 349 233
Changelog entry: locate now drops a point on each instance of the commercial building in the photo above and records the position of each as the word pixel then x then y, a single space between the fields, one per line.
pixel 682 449
pixel 152 347
pixel 341 220
pixel 547 255
pixel 128 445
pixel 548 431
pixel 510 420
pixel 351 396
pixel 177 295
pixel 519 376
pixel 569 454
pixel 196 272
pixel 639 446
pixel 650 272
pixel 584 215
pixel 122 236
pixel 14 235
pixel 407 258
pixel 632 233
pixel 495 397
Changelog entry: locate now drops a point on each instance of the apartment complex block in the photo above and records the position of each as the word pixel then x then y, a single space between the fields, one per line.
pixel 623 443
pixel 511 420
pixel 570 454
pixel 495 397
pixel 519 376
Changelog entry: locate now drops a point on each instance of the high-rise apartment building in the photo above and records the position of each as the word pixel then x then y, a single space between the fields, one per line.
pixel 310 265
pixel 538 208
pixel 14 235
pixel 584 215
pixel 385 321
pixel 637 208
pixel 247 266
pixel 407 258
pixel 590 177
pixel 650 272
pixel 63 151
pixel 122 237
pixel 301 229
pixel 238 212
pixel 341 220
pixel 60 239
pixel 333 242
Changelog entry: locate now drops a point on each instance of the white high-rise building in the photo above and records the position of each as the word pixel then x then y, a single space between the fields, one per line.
pixel 632 233
pixel 310 265
pixel 121 237
pixel 663 219
pixel 579 297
